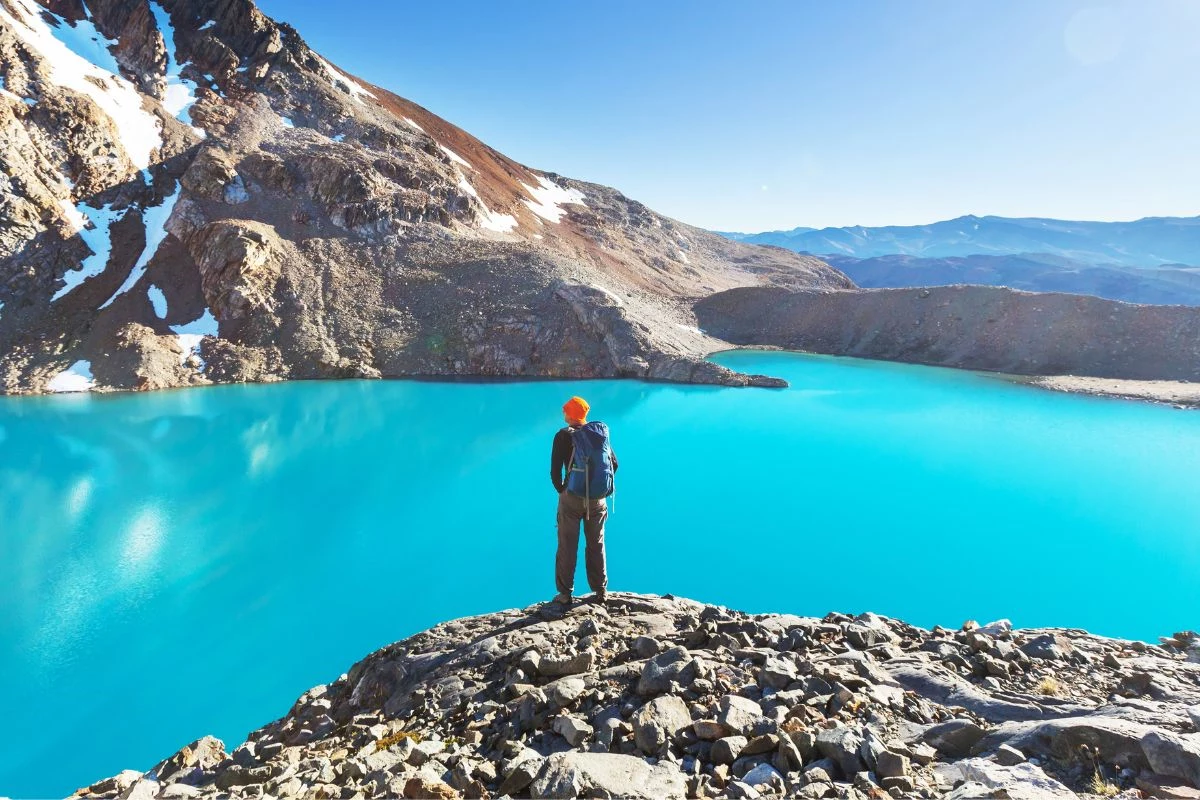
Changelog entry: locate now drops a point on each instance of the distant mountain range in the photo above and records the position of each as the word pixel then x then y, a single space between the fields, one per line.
pixel 1152 241
pixel 1145 261
pixel 1166 285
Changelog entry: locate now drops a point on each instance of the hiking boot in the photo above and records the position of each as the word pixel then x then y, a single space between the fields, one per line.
pixel 562 598
pixel 601 597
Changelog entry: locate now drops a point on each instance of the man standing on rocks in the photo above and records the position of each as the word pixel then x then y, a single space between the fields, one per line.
pixel 582 449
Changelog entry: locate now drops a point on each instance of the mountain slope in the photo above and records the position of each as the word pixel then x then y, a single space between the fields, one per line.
pixel 971 327
pixel 192 195
pixel 1145 242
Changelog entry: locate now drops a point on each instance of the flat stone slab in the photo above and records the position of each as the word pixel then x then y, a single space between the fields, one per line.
pixel 568 775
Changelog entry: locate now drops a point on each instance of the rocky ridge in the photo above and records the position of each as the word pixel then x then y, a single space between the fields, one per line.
pixel 191 195
pixel 973 327
pixel 661 697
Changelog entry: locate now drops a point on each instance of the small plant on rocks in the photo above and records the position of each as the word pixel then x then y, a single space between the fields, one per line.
pixel 395 739
pixel 1098 785
pixel 1049 687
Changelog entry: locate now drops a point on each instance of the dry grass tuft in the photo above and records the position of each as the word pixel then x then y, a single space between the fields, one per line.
pixel 1102 787
pixel 1049 687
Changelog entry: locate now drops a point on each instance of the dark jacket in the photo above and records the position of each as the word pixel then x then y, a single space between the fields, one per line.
pixel 560 456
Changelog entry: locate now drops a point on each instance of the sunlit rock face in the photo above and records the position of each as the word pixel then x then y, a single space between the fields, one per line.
pixel 192 169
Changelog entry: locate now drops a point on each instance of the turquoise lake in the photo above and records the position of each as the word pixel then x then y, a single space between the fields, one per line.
pixel 182 563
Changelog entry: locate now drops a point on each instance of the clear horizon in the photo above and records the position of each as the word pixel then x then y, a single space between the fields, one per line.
pixel 779 115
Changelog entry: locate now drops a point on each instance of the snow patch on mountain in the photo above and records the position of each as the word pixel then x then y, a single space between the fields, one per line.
pixel 180 93
pixel 613 295
pixel 84 40
pixel 140 133
pixel 189 335
pixel 75 218
pixel 339 78
pixel 155 221
pixel 93 226
pixel 491 220
pixel 75 378
pixel 158 300
pixel 455 157
pixel 549 197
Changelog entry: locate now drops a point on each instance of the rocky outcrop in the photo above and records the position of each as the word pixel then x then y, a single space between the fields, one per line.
pixel 974 327
pixel 239 264
pixel 668 698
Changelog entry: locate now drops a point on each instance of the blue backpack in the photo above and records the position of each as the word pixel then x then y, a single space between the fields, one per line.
pixel 590 473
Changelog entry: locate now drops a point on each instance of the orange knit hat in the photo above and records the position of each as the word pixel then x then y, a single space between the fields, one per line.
pixel 576 409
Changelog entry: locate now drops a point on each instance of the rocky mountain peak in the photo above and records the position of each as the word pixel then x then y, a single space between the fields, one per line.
pixel 191 176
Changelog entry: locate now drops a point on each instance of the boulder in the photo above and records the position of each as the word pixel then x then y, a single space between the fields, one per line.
pixel 709 729
pixel 427 787
pixel 891 765
pixel 1114 740
pixel 564 691
pixel 1193 713
pixel 674 666
pixel 842 746
pixel 953 738
pixel 728 749
pixel 761 744
pixel 777 673
pixel 764 775
pixel 861 636
pixel 568 775
pixel 114 785
pixel 557 667
pixel 520 770
pixel 998 628
pixel 658 722
pixel 573 729
pixel 739 714
pixel 1046 647
pixel 1173 755
pixel 1166 788
pixel 1009 756
pixel 646 646
pixel 986 779
pixel 143 789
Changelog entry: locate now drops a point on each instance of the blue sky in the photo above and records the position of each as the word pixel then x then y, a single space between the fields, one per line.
pixel 767 115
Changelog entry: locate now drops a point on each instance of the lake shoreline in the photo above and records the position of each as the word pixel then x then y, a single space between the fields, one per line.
pixel 1177 394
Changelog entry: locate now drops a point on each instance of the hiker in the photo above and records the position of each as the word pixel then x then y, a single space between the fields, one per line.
pixel 581 449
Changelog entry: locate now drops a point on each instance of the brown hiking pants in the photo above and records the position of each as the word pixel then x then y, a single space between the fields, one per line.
pixel 570 513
